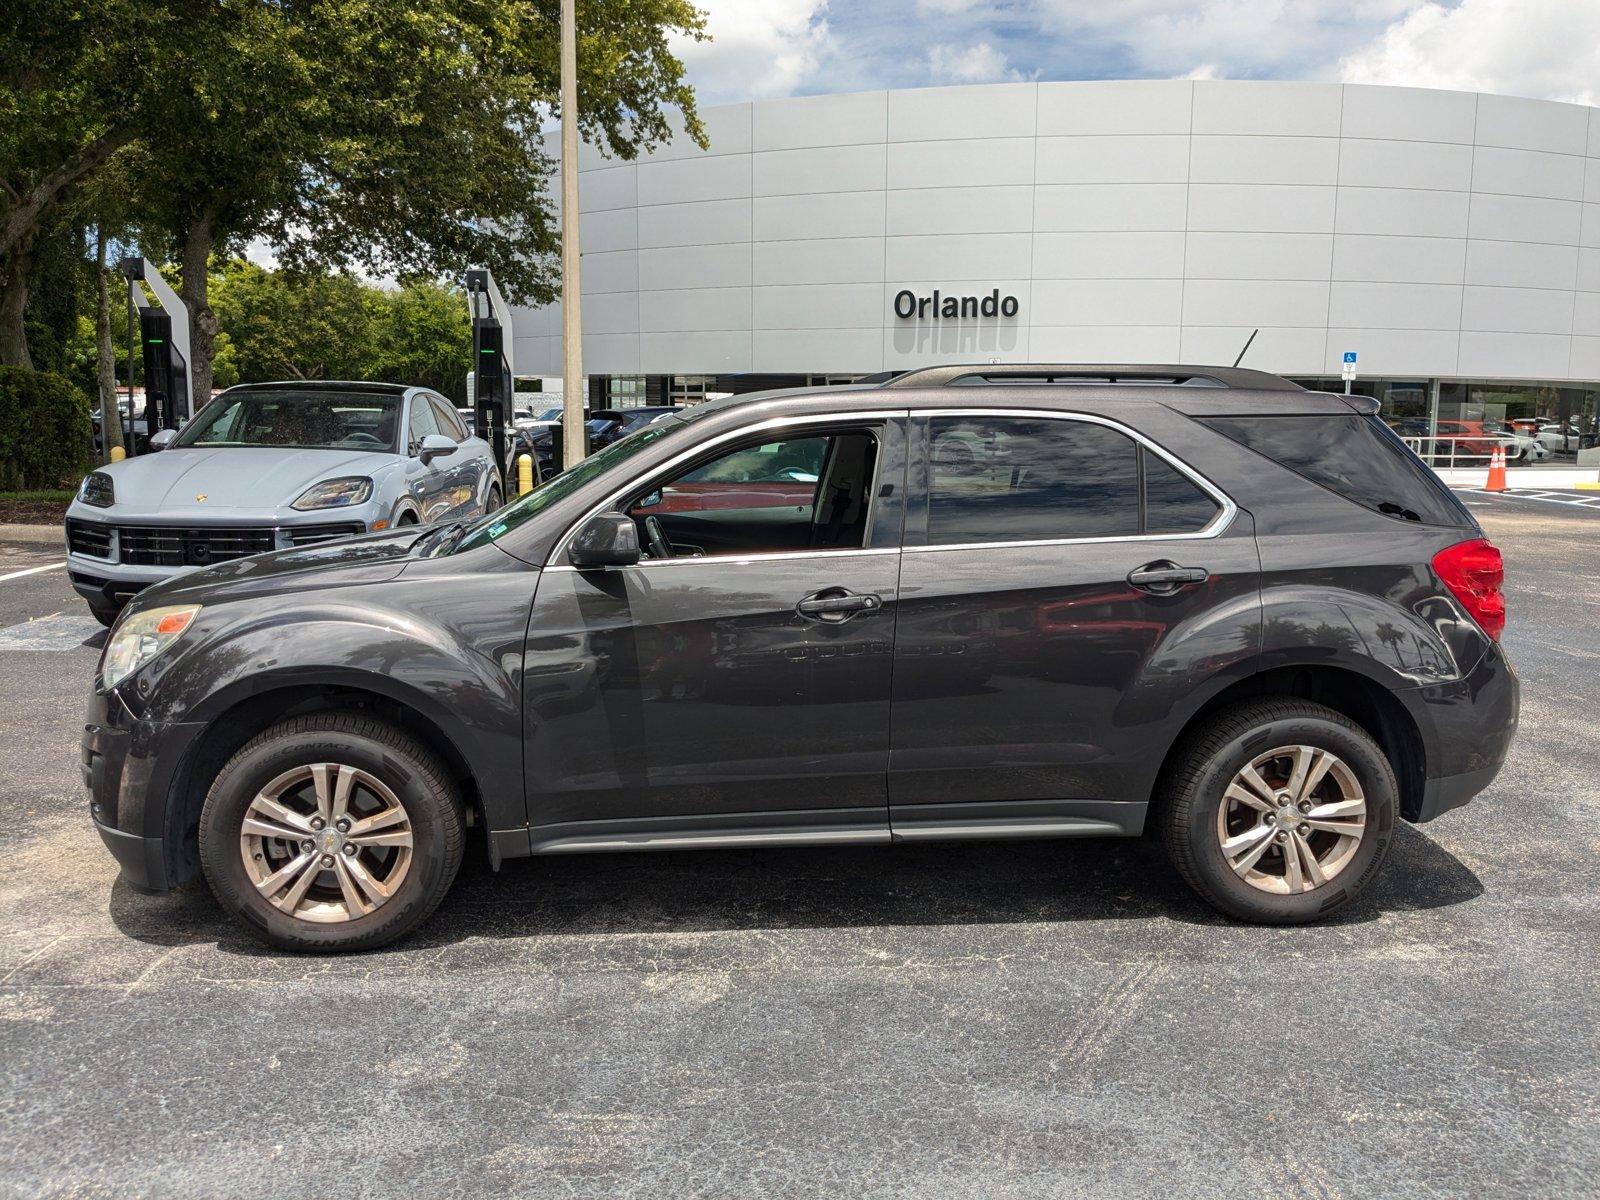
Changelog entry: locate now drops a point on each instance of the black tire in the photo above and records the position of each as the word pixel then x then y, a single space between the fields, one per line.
pixel 1191 791
pixel 406 518
pixel 495 499
pixel 106 616
pixel 412 771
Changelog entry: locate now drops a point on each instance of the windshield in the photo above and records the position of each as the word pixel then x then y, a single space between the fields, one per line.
pixel 495 525
pixel 302 418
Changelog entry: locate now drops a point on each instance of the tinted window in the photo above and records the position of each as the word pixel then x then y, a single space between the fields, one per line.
pixel 1173 503
pixel 1358 457
pixel 422 421
pixel 1019 480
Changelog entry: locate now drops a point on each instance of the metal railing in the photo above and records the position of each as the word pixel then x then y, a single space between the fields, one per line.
pixel 1462 450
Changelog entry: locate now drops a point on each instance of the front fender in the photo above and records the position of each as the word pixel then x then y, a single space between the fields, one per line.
pixel 467 686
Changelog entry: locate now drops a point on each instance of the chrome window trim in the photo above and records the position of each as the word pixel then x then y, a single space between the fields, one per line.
pixel 1226 508
pixel 654 473
pixel 735 560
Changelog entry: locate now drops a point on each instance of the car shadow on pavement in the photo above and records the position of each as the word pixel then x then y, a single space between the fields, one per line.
pixel 700 891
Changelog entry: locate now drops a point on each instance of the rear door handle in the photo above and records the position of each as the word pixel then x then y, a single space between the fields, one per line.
pixel 837 604
pixel 1165 577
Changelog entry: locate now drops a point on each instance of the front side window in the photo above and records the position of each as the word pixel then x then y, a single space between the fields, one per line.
pixel 797 493
pixel 1024 479
pixel 448 420
pixel 302 418
pixel 422 422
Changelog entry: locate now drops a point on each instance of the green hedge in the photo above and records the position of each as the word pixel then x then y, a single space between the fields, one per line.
pixel 44 430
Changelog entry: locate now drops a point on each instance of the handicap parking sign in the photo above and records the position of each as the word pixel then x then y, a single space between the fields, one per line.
pixel 1350 356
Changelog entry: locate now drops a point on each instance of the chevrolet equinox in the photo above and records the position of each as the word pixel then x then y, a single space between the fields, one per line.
pixel 971 602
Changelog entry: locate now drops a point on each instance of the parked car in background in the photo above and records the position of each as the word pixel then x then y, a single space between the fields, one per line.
pixel 268 466
pixel 1520 446
pixel 1196 601
pixel 135 429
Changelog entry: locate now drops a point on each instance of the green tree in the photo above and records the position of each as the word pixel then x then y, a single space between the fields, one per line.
pixel 77 78
pixel 396 138
pixel 426 339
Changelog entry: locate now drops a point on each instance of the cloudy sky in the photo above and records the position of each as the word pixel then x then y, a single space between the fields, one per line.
pixel 763 48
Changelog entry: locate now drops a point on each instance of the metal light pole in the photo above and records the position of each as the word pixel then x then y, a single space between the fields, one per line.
pixel 572 431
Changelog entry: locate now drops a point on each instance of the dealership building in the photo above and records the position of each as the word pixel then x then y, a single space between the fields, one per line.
pixel 1450 239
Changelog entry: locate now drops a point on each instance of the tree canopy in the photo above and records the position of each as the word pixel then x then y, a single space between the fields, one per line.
pixel 397 137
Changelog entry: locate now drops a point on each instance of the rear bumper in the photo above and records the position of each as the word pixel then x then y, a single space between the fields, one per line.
pixel 1452 791
pixel 1467 728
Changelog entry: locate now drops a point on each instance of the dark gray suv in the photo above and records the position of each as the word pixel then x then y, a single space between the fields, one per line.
pixel 973 602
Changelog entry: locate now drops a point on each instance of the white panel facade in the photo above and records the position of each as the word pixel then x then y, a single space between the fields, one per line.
pixel 1437 233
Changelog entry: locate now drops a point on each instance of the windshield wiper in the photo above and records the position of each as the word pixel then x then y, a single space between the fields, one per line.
pixel 442 538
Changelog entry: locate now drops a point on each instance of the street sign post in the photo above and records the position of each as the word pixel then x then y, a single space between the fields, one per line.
pixel 1349 371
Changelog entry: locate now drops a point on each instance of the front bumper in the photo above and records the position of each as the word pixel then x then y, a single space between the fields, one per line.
pixel 130 768
pixel 126 554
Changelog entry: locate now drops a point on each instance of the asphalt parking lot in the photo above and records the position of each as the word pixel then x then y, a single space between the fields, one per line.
pixel 1045 1019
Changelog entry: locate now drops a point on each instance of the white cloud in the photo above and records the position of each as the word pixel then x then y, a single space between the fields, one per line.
pixel 1548 49
pixel 759 48
pixel 980 63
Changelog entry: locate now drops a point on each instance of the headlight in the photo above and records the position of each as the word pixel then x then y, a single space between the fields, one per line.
pixel 336 493
pixel 139 638
pixel 96 489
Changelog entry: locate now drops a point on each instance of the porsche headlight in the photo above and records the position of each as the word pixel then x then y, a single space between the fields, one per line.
pixel 140 637
pixel 96 489
pixel 336 493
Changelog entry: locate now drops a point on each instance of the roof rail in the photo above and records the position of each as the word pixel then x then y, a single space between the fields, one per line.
pixel 1092 373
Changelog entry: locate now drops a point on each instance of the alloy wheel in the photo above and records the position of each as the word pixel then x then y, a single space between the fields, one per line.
pixel 326 842
pixel 1291 819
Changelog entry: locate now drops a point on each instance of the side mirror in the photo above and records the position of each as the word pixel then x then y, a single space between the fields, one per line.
pixel 436 445
pixel 608 539
pixel 162 439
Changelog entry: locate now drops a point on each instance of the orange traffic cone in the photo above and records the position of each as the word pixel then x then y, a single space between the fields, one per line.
pixel 1497 471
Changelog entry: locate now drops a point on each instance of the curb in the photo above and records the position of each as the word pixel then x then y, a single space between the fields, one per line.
pixel 38 534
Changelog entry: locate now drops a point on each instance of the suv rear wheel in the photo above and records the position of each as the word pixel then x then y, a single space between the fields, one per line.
pixel 1278 811
pixel 331 832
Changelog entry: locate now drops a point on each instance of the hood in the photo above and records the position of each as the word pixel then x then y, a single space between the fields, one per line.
pixel 230 477
pixel 371 558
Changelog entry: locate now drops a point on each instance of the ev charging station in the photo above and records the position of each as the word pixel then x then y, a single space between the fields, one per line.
pixel 164 340
pixel 493 362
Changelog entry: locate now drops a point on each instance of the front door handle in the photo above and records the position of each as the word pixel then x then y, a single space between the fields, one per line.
pixel 837 604
pixel 1164 577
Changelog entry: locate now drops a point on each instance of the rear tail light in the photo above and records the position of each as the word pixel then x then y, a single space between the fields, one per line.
pixel 1473 572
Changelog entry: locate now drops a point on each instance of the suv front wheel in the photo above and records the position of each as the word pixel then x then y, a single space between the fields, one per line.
pixel 1278 811
pixel 331 832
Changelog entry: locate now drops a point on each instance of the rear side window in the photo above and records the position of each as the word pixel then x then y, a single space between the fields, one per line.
pixel 1018 479
pixel 1359 457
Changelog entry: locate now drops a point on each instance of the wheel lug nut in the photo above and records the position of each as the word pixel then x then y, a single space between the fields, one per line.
pixel 1282 836
pixel 350 848
pixel 1305 806
pixel 1304 829
pixel 342 825
pixel 317 822
pixel 327 860
pixel 308 845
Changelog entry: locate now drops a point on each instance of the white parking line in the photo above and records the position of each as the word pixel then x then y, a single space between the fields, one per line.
pixel 32 571
pixel 1570 500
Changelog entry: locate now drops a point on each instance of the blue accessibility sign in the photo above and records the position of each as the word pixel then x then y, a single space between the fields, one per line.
pixel 1350 356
